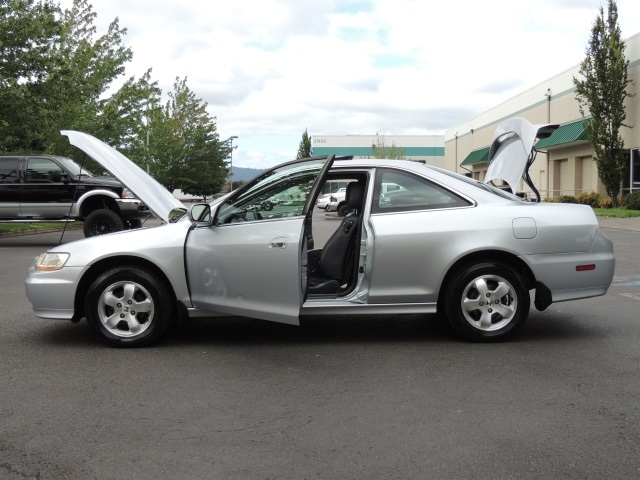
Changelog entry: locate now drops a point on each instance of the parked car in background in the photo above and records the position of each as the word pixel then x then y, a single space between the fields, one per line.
pixel 46 188
pixel 324 200
pixel 269 203
pixel 445 244
pixel 337 203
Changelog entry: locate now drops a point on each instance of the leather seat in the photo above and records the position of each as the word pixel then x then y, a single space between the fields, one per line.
pixel 331 266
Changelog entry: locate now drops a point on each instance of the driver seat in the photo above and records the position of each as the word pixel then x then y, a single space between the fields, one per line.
pixel 331 266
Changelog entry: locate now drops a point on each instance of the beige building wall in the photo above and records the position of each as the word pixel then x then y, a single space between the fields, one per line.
pixel 564 169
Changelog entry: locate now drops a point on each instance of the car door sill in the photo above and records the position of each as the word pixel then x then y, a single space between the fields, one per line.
pixel 340 307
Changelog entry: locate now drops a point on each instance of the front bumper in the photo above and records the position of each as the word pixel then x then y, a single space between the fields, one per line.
pixel 52 294
pixel 132 208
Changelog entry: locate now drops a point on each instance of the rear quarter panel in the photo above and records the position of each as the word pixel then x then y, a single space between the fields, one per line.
pixel 415 250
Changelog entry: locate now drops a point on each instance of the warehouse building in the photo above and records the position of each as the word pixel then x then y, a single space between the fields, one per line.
pixel 564 165
pixel 423 148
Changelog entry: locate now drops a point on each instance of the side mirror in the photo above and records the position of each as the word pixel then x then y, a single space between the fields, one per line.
pixel 200 213
pixel 56 176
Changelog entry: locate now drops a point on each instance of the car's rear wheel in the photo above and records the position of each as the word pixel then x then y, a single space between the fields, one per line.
pixel 487 302
pixel 102 221
pixel 128 307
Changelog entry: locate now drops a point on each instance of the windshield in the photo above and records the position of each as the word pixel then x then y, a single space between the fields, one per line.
pixel 73 168
pixel 478 184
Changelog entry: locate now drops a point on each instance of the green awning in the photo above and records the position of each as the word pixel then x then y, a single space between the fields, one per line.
pixel 477 156
pixel 571 132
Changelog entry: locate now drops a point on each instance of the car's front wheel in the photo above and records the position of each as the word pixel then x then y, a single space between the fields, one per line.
pixel 102 221
pixel 128 307
pixel 487 302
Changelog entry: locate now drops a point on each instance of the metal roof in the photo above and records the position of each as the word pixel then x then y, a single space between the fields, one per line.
pixel 477 156
pixel 571 132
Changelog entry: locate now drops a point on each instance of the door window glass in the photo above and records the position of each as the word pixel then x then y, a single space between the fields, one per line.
pixel 278 193
pixel 9 170
pixel 397 191
pixel 43 169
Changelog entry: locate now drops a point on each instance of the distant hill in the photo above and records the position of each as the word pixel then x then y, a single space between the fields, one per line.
pixel 239 174
pixel 246 174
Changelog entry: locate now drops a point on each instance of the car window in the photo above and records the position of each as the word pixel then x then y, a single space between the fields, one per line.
pixel 397 191
pixel 279 193
pixel 42 169
pixel 9 170
pixel 73 168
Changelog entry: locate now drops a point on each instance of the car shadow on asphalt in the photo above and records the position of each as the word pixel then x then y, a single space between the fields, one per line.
pixel 398 328
pixel 428 329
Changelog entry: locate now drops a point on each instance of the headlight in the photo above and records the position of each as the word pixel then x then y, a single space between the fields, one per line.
pixel 51 261
pixel 126 193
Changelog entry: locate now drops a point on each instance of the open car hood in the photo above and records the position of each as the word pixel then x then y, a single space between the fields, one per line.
pixel 511 152
pixel 159 200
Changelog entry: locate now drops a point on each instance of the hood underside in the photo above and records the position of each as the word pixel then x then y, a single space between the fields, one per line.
pixel 159 200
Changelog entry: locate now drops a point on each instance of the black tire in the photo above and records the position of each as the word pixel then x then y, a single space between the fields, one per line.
pixel 102 221
pixel 343 210
pixel 127 307
pixel 496 302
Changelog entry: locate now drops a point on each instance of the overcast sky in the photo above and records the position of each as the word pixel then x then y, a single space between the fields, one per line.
pixel 268 69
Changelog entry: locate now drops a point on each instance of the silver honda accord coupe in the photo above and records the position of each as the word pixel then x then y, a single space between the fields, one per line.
pixel 417 239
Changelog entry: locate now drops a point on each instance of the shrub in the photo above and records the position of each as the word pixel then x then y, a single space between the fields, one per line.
pixel 632 200
pixel 588 198
pixel 566 199
pixel 605 203
pixel 550 200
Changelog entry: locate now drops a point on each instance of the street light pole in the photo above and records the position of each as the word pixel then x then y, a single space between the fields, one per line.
pixel 231 139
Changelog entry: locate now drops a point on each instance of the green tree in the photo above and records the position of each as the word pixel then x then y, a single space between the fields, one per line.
pixel 304 149
pixel 27 32
pixel 382 150
pixel 237 184
pixel 602 89
pixel 184 146
pixel 57 74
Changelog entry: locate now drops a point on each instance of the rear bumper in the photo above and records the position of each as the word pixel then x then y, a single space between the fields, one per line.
pixel 559 273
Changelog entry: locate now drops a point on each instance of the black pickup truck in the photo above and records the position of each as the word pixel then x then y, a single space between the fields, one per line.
pixel 46 188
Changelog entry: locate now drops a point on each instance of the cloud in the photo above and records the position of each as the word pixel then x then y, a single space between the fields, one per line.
pixel 268 69
pixel 500 86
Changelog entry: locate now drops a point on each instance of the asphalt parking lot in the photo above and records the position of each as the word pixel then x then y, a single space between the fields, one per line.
pixel 346 397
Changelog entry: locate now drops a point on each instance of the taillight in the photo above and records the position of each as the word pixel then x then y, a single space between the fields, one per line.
pixel 584 268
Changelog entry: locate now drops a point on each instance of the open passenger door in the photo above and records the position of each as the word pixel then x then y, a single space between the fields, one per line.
pixel 250 260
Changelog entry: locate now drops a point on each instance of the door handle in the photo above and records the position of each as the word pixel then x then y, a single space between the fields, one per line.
pixel 279 242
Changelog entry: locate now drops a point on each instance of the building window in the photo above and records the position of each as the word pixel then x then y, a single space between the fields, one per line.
pixel 635 169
